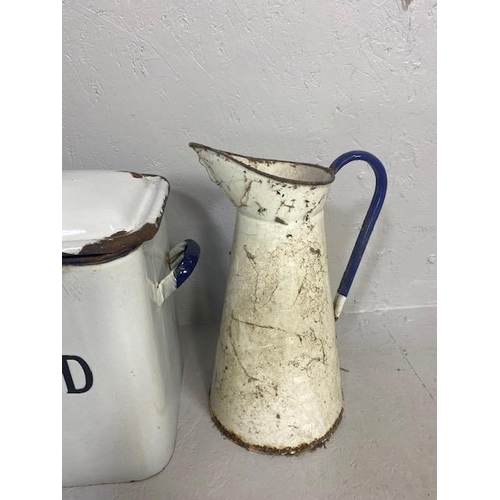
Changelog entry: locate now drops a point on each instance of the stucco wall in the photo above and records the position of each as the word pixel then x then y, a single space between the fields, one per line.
pixel 294 80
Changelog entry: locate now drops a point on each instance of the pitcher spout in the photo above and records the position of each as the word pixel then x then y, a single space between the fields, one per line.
pixel 222 170
pixel 266 189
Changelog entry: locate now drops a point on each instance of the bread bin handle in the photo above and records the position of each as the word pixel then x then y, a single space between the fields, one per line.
pixel 182 260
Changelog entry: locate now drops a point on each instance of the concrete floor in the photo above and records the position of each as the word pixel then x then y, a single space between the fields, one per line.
pixel 384 448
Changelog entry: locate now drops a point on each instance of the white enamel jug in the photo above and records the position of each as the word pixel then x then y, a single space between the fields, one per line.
pixel 276 382
pixel 121 361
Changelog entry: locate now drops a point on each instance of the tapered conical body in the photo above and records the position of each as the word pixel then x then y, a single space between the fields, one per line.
pixel 276 381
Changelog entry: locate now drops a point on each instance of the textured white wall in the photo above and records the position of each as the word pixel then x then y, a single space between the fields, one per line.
pixel 285 79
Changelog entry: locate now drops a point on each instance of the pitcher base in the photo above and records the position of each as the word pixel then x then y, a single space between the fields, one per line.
pixel 289 450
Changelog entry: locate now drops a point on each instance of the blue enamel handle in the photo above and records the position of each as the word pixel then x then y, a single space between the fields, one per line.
pixel 181 261
pixel 368 223
pixel 189 260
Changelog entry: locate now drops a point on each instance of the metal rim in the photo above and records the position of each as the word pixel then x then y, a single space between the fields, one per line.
pixel 269 450
pixel 285 180
pixel 119 244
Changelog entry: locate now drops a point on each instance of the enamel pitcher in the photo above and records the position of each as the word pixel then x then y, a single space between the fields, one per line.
pixel 276 382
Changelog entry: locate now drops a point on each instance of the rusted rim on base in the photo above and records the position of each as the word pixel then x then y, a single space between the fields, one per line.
pixel 269 450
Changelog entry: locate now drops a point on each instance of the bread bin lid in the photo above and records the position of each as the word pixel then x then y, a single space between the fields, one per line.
pixel 106 214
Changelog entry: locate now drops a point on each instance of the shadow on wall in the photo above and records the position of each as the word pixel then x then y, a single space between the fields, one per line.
pixel 201 300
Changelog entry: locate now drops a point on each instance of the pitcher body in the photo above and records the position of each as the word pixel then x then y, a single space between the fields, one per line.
pixel 276 382
pixel 277 338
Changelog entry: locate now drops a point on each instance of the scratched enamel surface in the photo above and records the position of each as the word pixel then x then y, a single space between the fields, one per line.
pixel 276 381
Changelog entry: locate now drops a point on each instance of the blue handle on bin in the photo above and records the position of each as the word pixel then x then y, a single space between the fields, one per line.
pixel 189 260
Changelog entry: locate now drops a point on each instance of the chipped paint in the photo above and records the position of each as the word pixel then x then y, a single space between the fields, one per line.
pixel 112 247
pixel 276 352
pixel 120 318
pixel 96 202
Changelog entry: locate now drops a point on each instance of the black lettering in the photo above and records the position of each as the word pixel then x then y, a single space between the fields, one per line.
pixel 68 378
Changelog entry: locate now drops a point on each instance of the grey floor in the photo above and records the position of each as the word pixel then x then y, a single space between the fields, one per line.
pixel 384 448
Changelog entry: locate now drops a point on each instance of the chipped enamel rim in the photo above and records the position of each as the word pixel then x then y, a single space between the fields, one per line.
pixel 285 180
pixel 121 243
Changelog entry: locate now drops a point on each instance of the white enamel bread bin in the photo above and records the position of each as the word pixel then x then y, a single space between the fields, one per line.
pixel 121 362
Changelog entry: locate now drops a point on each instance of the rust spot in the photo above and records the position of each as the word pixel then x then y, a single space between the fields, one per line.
pixel 258 391
pixel 249 255
pixel 138 175
pixel 118 244
pixel 261 209
pixel 289 450
pixel 121 240
pixel 69 259
pixel 280 221
pixel 316 251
